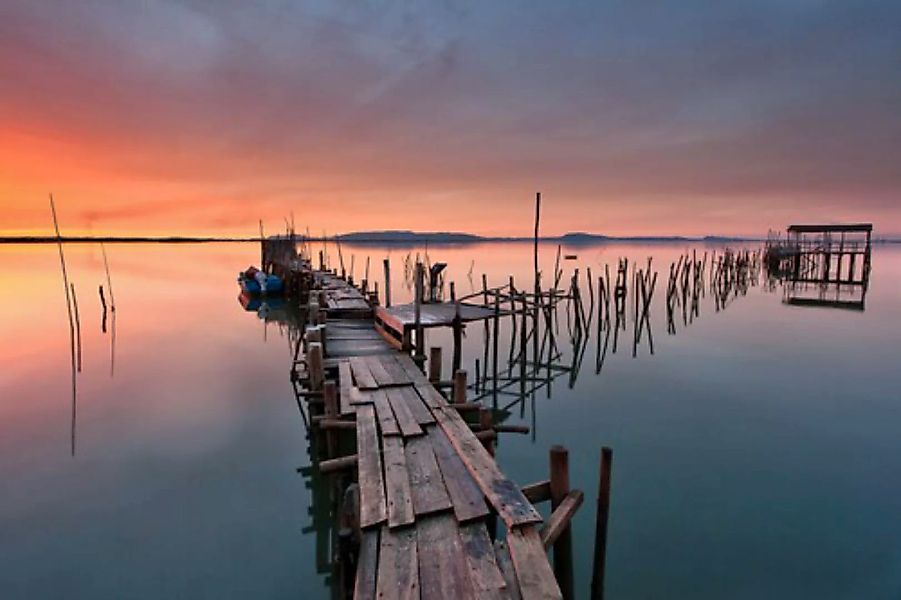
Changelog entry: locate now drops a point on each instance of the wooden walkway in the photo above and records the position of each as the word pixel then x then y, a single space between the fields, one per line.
pixel 428 488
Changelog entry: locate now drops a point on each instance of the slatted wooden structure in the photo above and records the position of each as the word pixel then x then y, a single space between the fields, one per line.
pixel 428 487
pixel 342 299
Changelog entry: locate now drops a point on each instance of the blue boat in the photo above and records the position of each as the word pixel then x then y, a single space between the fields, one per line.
pixel 255 282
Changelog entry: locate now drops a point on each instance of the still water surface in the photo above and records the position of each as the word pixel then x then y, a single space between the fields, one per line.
pixel 756 451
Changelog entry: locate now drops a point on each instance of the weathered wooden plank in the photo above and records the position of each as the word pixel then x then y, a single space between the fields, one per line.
pixel 420 411
pixel 427 484
pixel 364 335
pixel 388 319
pixel 506 497
pixel 357 348
pixel 379 373
pixel 358 396
pixel 346 383
pixel 429 395
pixel 367 563
pixel 369 469
pixel 487 579
pixel 505 564
pixel 533 570
pixel 398 576
pixel 405 419
pixel 397 483
pixel 387 422
pixel 362 375
pixel 467 498
pixel 443 572
pixel 410 368
pixel 398 375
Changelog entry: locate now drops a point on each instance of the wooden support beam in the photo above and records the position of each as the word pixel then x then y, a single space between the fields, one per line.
pixel 540 491
pixel 559 520
pixel 342 463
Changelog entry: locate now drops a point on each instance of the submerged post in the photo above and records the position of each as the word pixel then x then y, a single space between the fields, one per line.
pixel 387 263
pixel 600 534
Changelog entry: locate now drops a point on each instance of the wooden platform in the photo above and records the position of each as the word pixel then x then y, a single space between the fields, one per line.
pixel 342 299
pixel 427 487
pixel 439 314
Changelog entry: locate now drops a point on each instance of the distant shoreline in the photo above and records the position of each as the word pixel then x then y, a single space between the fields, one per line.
pixel 403 238
pixel 375 238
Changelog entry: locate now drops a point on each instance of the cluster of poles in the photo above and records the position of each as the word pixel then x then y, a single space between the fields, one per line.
pixel 74 317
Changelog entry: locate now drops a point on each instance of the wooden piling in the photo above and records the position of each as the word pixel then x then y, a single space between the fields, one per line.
pixel 330 406
pixel 419 356
pixel 460 387
pixel 559 466
pixel 435 364
pixel 600 534
pixel 387 264
pixel 315 365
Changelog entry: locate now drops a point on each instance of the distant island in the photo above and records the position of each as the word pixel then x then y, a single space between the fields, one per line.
pixel 572 238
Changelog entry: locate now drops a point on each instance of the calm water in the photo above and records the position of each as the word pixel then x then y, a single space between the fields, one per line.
pixel 756 452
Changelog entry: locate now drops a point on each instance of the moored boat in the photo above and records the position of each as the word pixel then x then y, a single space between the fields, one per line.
pixel 253 281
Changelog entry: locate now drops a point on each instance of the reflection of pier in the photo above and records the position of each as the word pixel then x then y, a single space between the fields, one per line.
pixel 823 265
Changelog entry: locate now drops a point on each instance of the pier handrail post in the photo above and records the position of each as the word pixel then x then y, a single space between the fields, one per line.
pixel 435 364
pixel 387 263
pixel 460 387
pixel 563 571
pixel 600 534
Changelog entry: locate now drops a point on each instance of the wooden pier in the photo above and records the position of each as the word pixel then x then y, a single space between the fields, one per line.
pixel 823 265
pixel 428 494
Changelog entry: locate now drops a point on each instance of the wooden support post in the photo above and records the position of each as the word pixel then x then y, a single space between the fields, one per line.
pixel 435 364
pixel 315 365
pixel 387 263
pixel 494 338
pixel 486 422
pixel 460 386
pixel 563 571
pixel 600 534
pixel 330 400
pixel 458 338
pixel 419 355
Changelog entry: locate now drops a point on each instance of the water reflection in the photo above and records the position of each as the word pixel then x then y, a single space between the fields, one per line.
pixel 199 432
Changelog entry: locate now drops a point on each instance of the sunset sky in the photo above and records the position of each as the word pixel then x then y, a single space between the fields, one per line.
pixel 631 117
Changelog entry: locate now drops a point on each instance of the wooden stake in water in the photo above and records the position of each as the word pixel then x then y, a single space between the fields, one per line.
pixel 62 262
pixel 77 325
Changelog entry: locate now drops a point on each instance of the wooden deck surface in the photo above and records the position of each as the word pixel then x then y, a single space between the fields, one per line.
pixel 438 314
pixel 427 484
